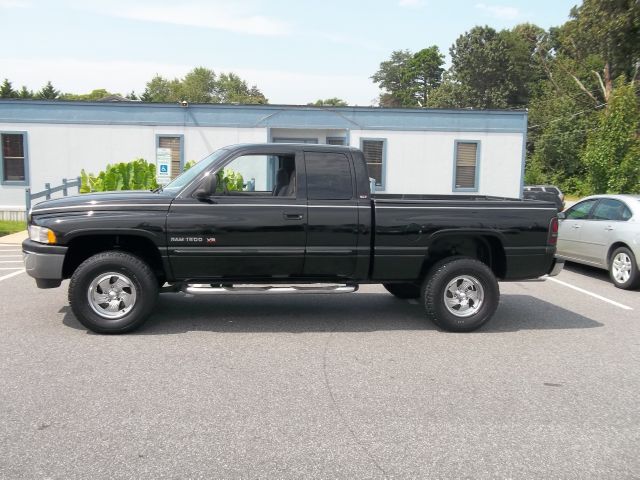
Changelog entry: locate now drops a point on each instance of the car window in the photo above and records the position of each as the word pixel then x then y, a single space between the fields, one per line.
pixel 580 210
pixel 328 176
pixel 536 189
pixel 259 175
pixel 552 190
pixel 612 210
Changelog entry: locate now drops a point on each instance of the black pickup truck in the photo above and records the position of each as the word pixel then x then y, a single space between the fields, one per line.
pixel 285 218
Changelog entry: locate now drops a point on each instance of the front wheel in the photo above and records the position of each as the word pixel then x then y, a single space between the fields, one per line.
pixel 460 294
pixel 113 292
pixel 623 269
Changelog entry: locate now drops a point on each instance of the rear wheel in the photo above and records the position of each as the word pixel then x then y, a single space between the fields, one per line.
pixel 113 292
pixel 623 269
pixel 403 290
pixel 460 294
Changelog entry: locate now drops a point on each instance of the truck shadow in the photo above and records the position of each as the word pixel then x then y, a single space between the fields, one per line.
pixel 361 312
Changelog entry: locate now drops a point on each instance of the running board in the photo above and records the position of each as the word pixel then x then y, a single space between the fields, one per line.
pixel 205 289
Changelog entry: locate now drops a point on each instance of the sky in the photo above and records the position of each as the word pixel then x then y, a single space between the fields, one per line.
pixel 294 51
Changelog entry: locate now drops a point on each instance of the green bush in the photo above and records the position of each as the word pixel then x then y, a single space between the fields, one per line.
pixel 135 175
pixel 188 165
pixel 229 180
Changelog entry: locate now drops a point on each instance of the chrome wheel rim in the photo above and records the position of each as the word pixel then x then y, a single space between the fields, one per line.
pixel 621 267
pixel 463 296
pixel 112 295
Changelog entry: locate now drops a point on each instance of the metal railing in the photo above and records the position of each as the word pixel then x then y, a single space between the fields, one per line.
pixel 46 193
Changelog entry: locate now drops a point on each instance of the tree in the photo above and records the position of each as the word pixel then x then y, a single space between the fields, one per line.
pixel 609 30
pixel 392 77
pixel 7 91
pixel 132 95
pixel 159 89
pixel 94 95
pixel 48 92
pixel 492 69
pixel 25 93
pixel 202 85
pixel 612 153
pixel 198 86
pixel 424 71
pixel 328 102
pixel 231 88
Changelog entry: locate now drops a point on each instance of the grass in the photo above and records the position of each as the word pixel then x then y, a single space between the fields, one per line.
pixel 11 226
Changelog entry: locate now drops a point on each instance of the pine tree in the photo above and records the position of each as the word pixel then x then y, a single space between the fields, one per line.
pixel 25 93
pixel 7 91
pixel 48 92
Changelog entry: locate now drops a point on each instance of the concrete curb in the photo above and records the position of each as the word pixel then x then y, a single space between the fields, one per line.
pixel 14 238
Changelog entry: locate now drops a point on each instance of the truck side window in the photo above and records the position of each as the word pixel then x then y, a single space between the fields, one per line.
pixel 328 176
pixel 259 175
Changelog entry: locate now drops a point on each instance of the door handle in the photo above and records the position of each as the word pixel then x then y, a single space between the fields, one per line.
pixel 608 227
pixel 292 216
pixel 577 226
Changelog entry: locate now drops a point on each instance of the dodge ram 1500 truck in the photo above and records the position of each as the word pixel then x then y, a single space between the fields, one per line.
pixel 285 218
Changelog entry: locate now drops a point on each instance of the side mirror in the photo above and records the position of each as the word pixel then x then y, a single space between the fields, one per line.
pixel 207 187
pixel 561 216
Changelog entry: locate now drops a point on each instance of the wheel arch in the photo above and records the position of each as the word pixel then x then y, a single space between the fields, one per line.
pixel 83 246
pixel 614 246
pixel 485 246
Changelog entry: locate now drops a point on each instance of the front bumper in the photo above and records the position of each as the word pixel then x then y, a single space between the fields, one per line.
pixel 44 262
pixel 556 266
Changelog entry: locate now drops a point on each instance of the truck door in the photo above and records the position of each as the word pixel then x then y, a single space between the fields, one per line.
pixel 253 227
pixel 332 225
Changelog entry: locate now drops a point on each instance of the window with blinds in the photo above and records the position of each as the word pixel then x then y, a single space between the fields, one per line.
pixel 466 165
pixel 13 158
pixel 174 144
pixel 374 155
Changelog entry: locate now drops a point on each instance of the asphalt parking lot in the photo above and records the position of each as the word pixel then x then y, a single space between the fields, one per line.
pixel 345 386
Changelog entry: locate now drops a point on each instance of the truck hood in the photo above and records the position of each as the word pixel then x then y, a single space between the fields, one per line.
pixel 124 200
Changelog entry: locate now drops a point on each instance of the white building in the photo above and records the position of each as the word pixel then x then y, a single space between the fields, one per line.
pixel 408 150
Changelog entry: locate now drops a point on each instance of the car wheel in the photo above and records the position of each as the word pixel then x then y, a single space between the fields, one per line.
pixel 460 294
pixel 403 290
pixel 623 269
pixel 113 292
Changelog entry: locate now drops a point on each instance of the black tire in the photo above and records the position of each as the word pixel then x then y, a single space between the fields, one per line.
pixel 633 281
pixel 403 290
pixel 140 279
pixel 439 278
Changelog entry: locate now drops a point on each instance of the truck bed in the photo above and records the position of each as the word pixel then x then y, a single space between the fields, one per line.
pixel 408 227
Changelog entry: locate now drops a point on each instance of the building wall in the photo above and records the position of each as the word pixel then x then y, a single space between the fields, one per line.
pixel 61 151
pixel 423 162
pixel 65 137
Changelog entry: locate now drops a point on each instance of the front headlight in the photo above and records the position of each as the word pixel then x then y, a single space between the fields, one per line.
pixel 41 234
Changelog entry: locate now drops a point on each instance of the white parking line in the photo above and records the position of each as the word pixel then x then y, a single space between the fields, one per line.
pixel 587 292
pixel 12 274
pixel 10 261
pixel 10 256
pixel 10 268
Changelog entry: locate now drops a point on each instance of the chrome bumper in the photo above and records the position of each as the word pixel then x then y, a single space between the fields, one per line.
pixel 46 268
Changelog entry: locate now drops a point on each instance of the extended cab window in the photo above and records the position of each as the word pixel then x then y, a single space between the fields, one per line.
pixel 581 210
pixel 328 176
pixel 259 175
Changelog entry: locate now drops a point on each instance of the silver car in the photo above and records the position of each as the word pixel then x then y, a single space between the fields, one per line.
pixel 604 231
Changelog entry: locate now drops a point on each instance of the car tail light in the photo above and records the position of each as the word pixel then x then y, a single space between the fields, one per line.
pixel 553 232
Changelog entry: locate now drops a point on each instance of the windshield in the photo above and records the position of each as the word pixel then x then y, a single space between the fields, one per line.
pixel 187 177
